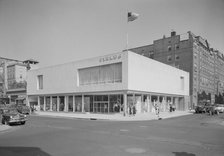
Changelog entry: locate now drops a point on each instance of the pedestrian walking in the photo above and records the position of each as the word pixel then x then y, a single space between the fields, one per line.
pixel 134 110
pixel 171 108
pixel 157 110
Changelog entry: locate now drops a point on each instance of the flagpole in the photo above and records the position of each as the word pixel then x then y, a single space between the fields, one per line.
pixel 127 32
pixel 131 16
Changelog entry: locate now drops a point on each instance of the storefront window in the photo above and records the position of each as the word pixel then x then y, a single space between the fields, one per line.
pixel 138 102
pixel 47 103
pixel 70 103
pixel 62 103
pixel 78 103
pixel 88 103
pixel 116 103
pixel 54 103
pixel 41 103
pixel 100 104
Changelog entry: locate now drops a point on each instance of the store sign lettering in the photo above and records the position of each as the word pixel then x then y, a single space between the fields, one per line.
pixel 110 58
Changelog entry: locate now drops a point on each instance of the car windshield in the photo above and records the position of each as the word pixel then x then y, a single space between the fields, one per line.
pixel 11 111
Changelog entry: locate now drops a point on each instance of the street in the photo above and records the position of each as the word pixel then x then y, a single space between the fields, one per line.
pixel 192 135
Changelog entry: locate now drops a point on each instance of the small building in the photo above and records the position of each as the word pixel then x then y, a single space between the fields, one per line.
pixel 13 79
pixel 16 82
pixel 108 84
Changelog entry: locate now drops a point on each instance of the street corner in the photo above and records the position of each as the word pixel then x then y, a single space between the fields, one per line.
pixel 4 128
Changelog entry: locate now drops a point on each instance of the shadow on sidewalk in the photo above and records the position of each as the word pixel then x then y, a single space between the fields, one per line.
pixel 22 151
pixel 183 154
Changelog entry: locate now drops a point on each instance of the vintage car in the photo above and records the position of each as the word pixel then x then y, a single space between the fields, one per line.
pixel 23 109
pixel 212 110
pixel 11 115
pixel 219 108
pixel 200 109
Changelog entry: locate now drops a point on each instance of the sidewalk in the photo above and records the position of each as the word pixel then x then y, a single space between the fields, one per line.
pixel 111 117
pixel 114 117
pixel 4 127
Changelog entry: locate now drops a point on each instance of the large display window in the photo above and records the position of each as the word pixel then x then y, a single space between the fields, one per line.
pixel 111 73
pixel 78 103
pixel 41 103
pixel 70 103
pixel 116 103
pixel 61 103
pixel 54 103
pixel 47 108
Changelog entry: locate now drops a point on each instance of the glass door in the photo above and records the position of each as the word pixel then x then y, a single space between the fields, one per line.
pixel 101 104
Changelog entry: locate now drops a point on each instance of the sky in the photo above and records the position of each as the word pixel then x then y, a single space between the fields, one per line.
pixel 60 31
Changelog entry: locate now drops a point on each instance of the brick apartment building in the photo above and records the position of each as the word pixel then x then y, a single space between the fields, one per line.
pixel 193 54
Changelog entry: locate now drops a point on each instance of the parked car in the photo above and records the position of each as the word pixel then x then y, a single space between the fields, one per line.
pixel 219 108
pixel 11 115
pixel 200 109
pixel 212 110
pixel 23 109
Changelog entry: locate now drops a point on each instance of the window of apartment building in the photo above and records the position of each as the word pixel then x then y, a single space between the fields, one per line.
pixel 195 55
pixel 40 82
pixel 169 58
pixel 169 48
pixel 182 82
pixel 177 46
pixel 195 65
pixel 151 54
pixel 195 78
pixel 177 57
pixel 111 73
pixel 195 69
pixel 195 89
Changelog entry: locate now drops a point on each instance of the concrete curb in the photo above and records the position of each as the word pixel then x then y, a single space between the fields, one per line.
pixel 146 117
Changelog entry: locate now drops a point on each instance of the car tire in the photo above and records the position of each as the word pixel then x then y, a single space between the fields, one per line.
pixel 6 122
pixel 23 122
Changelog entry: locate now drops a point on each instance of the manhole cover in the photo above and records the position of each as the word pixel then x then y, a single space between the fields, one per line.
pixel 203 124
pixel 135 150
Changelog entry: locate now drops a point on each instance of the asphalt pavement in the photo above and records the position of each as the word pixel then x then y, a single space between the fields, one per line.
pixel 4 127
pixel 112 117
pixel 189 135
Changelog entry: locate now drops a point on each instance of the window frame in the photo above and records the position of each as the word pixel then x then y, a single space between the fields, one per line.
pixel 40 82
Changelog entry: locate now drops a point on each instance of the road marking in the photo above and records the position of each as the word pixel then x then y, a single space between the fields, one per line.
pixel 143 126
pixel 135 150
pixel 124 130
pixel 176 141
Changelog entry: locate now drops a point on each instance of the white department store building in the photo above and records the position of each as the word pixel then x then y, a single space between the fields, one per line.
pixel 108 84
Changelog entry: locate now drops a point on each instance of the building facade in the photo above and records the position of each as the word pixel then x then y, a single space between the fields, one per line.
pixel 193 54
pixel 13 78
pixel 108 84
pixel 16 81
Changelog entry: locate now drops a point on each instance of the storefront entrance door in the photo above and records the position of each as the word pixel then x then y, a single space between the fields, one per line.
pixel 100 107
